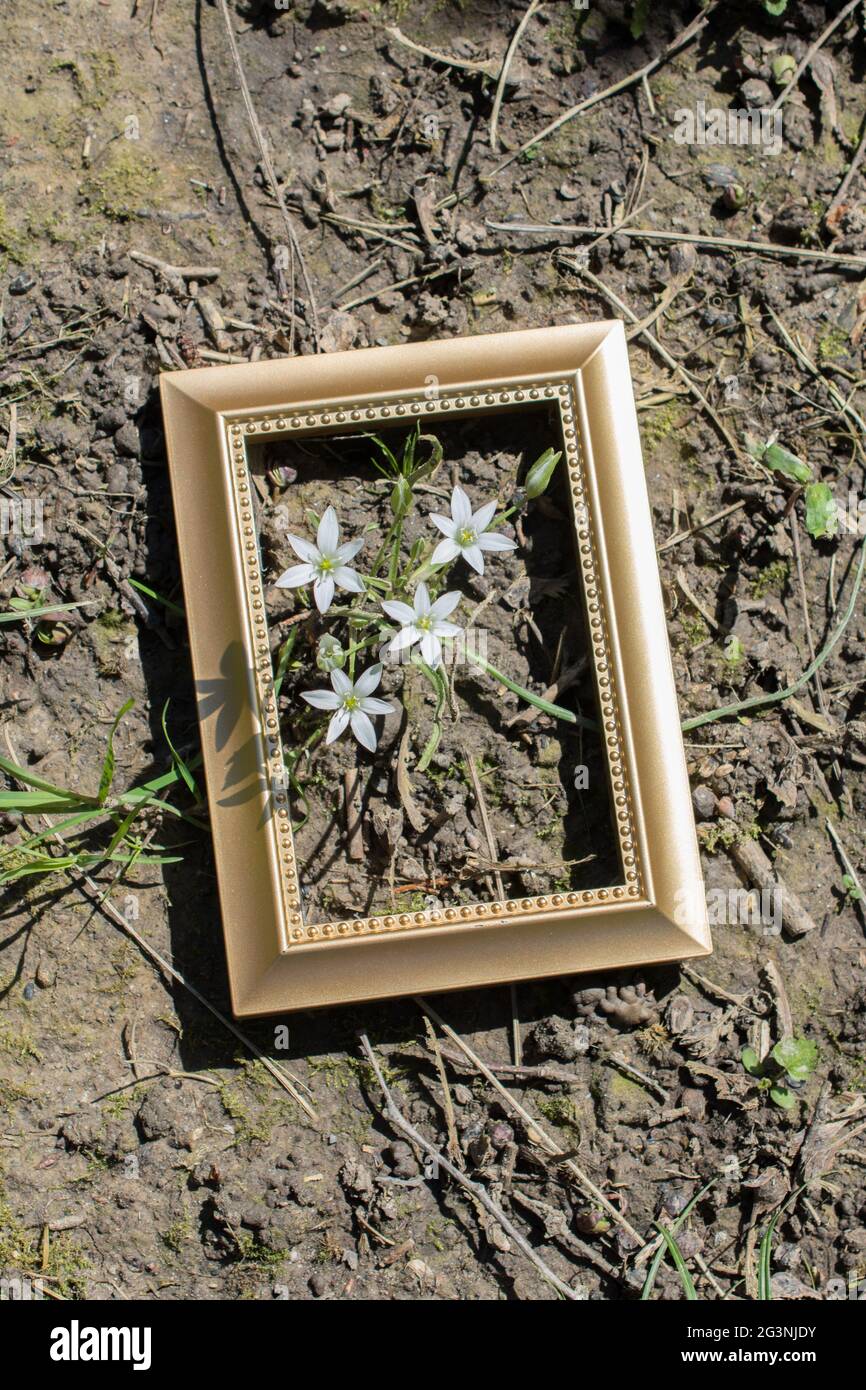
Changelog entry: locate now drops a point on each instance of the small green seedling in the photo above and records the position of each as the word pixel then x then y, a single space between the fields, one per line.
pixel 779 460
pixel 789 1064
pixel 853 890
pixel 733 652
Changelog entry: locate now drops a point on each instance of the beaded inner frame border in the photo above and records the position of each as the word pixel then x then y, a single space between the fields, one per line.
pixel 240 428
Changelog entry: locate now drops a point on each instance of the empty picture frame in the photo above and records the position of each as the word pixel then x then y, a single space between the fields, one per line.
pixel 656 910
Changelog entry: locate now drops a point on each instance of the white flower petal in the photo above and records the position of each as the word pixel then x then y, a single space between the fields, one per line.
pixel 400 612
pixel 305 549
pixel 431 649
pixel 483 517
pixel 422 600
pixel 370 705
pixel 445 524
pixel 323 593
pixel 461 507
pixel 321 699
pixel 348 550
pixel 405 637
pixel 443 629
pixel 445 551
pixel 366 683
pixel 491 540
pixel 363 730
pixel 341 683
pixel 346 578
pixel 295 576
pixel 445 604
pixel 472 555
pixel 337 725
pixel 328 534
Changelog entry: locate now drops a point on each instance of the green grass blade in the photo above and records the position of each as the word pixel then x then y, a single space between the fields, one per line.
pixel 646 1291
pixel 31 802
pixel 531 699
pixel 765 1277
pixel 107 776
pixel 59 827
pixel 680 1264
pixel 40 610
pixel 440 690
pixel 23 774
pixel 158 598
pixel 283 663
pixel 176 758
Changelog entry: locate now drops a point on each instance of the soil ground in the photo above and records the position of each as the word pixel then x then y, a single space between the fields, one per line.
pixel 143 1152
pixel 544 781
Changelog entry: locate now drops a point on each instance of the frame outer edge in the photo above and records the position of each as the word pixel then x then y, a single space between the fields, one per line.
pixel 633 603
pixel 221 651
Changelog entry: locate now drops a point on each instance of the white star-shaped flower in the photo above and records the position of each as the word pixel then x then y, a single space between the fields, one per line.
pixel 352 705
pixel 425 622
pixel 326 564
pixel 466 533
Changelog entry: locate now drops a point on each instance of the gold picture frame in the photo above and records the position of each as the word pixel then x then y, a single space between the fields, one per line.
pixel 276 962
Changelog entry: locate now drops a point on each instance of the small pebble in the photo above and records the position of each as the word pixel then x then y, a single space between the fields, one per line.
pixel 704 802
pixel 22 283
pixel 45 975
pixel 501 1134
pixel 29 990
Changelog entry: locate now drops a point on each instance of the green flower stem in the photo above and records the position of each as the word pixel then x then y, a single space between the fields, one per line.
pixel 396 539
pixel 424 571
pixel 356 613
pixel 355 647
pixel 544 705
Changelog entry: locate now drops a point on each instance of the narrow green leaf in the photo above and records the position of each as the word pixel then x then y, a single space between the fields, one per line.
pixel 23 774
pixel 157 597
pixel 39 610
pixel 639 18
pixel 680 1264
pixel 646 1291
pixel 765 1279
pixel 780 460
pixel 30 802
pixel 531 699
pixel 437 680
pixel 107 776
pixel 176 758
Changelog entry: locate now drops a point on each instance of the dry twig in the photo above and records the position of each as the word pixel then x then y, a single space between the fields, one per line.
pixel 712 243
pixel 506 64
pixel 533 1125
pixel 811 51
pixel 296 256
pixel 476 1191
pixel 681 40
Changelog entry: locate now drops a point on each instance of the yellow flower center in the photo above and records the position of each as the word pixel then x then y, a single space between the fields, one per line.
pixel 425 624
pixel 352 702
pixel 466 536
pixel 325 565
